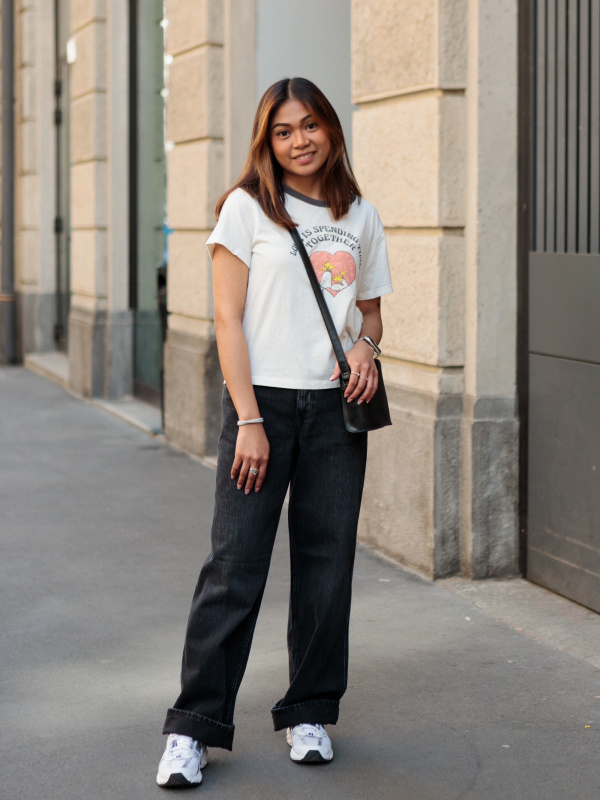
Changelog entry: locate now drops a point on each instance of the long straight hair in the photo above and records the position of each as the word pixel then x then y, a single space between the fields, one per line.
pixel 262 175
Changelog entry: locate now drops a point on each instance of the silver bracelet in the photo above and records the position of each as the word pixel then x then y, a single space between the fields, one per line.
pixel 249 421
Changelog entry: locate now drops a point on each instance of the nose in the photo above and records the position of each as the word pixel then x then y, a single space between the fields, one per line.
pixel 299 138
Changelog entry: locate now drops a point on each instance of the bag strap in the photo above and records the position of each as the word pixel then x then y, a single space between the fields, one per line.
pixel 326 314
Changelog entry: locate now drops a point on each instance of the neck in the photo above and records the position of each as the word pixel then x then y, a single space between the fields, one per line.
pixel 311 186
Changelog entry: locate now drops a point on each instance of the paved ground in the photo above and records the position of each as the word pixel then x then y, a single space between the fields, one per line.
pixel 102 532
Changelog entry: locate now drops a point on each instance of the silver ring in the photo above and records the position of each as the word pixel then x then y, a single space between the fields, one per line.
pixel 355 373
pixel 364 379
pixel 253 470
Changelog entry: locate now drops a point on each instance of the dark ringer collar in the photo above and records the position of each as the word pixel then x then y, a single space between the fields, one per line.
pixel 303 197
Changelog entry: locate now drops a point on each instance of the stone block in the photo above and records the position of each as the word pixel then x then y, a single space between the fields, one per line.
pixel 393 46
pixel 397 511
pixel 453 47
pixel 27 256
pixel 36 316
pixel 100 352
pixel 489 487
pixel 405 500
pixel 423 318
pixel 194 184
pixel 452 160
pixel 85 11
pixel 409 160
pixel 89 263
pixel 26 28
pixel 451 332
pixel 423 377
pixel 407 46
pixel 26 100
pixel 195 105
pixel 28 201
pixel 411 314
pixel 86 351
pixel 88 127
pixel 193 23
pixel 27 131
pixel 88 195
pixel 410 508
pixel 193 389
pixel 118 364
pixel 88 73
pixel 190 276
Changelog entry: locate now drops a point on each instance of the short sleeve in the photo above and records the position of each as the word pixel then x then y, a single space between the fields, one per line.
pixel 375 279
pixel 235 227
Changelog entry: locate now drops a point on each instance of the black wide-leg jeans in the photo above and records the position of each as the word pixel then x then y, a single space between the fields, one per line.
pixel 324 467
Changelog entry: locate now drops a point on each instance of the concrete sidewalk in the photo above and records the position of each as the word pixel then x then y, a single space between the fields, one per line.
pixel 102 532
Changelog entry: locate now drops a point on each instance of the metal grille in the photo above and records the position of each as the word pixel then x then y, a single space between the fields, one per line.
pixel 566 157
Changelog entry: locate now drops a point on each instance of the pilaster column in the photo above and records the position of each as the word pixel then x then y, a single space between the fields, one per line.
pixel 489 458
pixel 100 322
pixel 409 77
pixel 210 105
pixel 34 185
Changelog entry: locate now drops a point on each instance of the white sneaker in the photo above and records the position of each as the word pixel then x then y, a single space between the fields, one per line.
pixel 309 743
pixel 182 762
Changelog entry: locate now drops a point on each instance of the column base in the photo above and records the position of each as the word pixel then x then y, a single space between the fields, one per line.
pixel 489 488
pixel 410 508
pixel 193 388
pixel 36 317
pixel 101 353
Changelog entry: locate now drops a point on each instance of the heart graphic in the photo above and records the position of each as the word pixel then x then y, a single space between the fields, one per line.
pixel 334 271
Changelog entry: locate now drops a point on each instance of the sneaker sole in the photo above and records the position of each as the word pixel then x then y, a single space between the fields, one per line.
pixel 311 757
pixel 177 780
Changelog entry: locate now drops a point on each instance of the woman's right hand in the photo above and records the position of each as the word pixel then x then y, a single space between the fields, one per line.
pixel 251 450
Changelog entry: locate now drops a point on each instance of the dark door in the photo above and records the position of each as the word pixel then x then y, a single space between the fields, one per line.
pixel 563 538
pixel 147 192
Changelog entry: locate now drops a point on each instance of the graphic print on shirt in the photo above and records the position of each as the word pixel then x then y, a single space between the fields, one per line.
pixel 334 271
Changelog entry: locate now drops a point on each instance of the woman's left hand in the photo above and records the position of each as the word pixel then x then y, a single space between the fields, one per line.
pixel 363 373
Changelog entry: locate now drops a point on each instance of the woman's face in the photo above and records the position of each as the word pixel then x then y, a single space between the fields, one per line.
pixel 300 143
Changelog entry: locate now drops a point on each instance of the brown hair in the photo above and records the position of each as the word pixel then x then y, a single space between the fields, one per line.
pixel 262 176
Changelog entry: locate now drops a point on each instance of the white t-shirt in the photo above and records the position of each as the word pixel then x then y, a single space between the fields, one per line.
pixel 287 339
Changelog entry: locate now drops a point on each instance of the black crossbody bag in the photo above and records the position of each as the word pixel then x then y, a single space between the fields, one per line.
pixel 357 418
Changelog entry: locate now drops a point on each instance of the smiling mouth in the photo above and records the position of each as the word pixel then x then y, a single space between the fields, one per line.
pixel 304 156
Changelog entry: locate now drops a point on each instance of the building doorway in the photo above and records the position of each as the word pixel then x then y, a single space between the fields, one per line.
pixel 563 291
pixel 147 194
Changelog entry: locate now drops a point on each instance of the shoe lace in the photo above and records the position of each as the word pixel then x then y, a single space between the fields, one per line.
pixel 182 747
pixel 307 729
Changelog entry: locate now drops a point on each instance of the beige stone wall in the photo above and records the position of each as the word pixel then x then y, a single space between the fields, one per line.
pixel 210 51
pixel 100 323
pixel 195 162
pixel 434 133
pixel 489 488
pixel 424 154
pixel 88 134
pixel 34 175
pixel 442 174
pixel 409 80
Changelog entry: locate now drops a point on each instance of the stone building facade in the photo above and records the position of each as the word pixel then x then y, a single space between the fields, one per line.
pixel 428 92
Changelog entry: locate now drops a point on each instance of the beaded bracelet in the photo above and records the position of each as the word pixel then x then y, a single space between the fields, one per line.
pixel 249 421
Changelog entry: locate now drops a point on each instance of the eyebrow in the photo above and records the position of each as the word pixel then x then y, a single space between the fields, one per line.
pixel 287 124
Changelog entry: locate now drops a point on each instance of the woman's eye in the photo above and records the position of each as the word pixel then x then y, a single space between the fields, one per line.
pixel 311 126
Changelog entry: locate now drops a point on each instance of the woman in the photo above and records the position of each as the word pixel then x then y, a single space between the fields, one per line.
pixel 283 426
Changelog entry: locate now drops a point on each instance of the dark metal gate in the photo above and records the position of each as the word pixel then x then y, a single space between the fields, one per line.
pixel 563 486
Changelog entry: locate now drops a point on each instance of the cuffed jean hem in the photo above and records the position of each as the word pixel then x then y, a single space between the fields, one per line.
pixel 316 712
pixel 202 729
